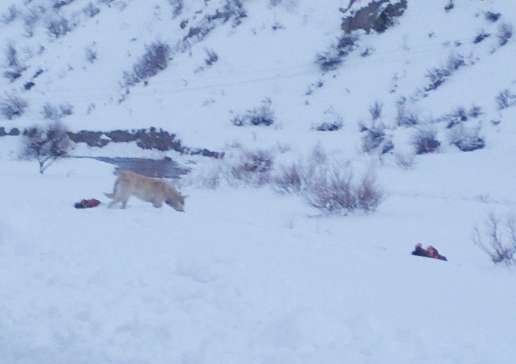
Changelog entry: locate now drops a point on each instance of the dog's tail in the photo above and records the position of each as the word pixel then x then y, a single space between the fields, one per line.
pixel 110 195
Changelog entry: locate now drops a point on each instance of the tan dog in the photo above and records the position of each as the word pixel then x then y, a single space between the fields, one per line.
pixel 153 190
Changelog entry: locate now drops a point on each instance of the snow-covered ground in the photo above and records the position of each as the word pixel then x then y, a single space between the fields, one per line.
pixel 247 275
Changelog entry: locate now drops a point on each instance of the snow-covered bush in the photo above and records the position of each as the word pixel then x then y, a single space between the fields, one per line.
pixel 505 99
pixel 12 106
pixel 332 121
pixel 14 67
pixel 449 6
pixel 59 27
pixel 425 140
pixel 46 145
pixel 375 138
pixel 91 10
pixel 480 37
pixel 405 160
pixel 58 4
pixel 404 116
pixel 91 53
pixel 461 115
pixel 56 112
pixel 497 239
pixel 437 76
pixel 492 16
pixel 466 139
pixel 31 17
pixel 261 115
pixel 331 59
pixel 376 110
pixel 10 14
pixel 177 7
pixel 505 32
pixel 154 60
pixel 211 57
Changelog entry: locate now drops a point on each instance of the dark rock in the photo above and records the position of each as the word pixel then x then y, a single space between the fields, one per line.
pixel 379 15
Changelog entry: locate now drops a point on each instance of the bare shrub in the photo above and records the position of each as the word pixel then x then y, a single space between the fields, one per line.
pixel 154 60
pixel 12 106
pixel 437 76
pixel 497 239
pixel 293 178
pixel 505 32
pixel 261 115
pixel 505 99
pixel 46 145
pixel 333 190
pixel 253 167
pixel 425 140
pixel 327 185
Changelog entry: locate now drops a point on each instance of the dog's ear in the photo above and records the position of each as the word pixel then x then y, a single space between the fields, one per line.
pixel 185 196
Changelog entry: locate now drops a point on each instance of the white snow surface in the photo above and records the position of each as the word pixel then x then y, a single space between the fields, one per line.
pixel 246 275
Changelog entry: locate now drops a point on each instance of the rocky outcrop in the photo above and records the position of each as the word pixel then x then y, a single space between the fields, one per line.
pixel 379 15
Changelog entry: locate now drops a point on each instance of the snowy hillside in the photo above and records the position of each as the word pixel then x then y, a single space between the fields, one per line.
pixel 352 130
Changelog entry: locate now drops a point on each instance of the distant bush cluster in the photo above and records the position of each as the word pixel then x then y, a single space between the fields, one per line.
pixel 331 59
pixel 154 60
pixel 329 186
pixel 505 99
pixel 12 106
pixel 262 115
pixel 437 76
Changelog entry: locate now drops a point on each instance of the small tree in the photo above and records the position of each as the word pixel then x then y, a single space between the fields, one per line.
pixel 46 145
pixel 497 239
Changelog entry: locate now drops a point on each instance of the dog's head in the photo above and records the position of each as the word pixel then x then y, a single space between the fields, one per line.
pixel 177 202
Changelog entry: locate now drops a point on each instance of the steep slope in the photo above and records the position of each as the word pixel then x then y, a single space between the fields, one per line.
pixel 263 51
